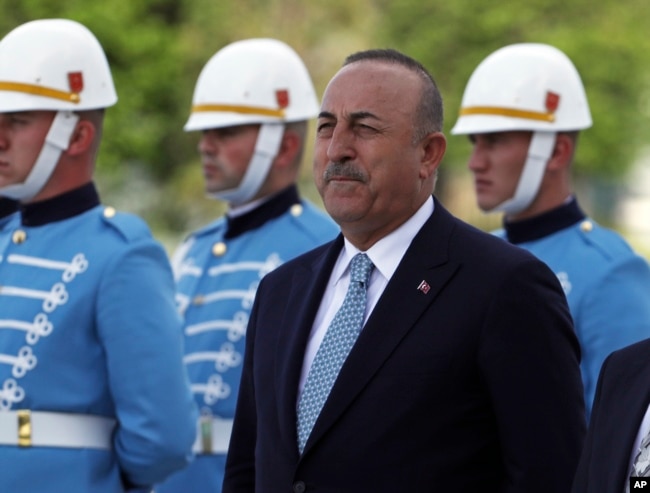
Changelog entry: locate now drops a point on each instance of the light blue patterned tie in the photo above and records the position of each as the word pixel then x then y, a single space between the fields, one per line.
pixel 337 343
pixel 641 464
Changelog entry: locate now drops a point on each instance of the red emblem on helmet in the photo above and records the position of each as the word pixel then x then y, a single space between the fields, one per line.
pixel 76 82
pixel 552 101
pixel 282 97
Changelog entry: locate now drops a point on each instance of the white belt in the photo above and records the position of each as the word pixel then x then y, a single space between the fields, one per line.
pixel 213 435
pixel 25 428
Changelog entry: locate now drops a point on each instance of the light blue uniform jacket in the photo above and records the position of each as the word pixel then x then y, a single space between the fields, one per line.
pixel 88 325
pixel 218 269
pixel 606 283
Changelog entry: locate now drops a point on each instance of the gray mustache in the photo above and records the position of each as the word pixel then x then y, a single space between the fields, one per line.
pixel 343 170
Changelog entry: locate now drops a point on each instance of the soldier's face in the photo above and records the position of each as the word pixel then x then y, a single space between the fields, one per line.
pixel 22 135
pixel 496 162
pixel 225 154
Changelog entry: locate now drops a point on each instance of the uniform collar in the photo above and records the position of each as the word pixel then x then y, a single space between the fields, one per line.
pixel 7 207
pixel 267 210
pixel 61 207
pixel 544 224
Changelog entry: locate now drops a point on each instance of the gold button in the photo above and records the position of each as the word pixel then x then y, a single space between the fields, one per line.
pixel 586 226
pixel 19 236
pixel 296 210
pixel 109 212
pixel 219 249
pixel 198 300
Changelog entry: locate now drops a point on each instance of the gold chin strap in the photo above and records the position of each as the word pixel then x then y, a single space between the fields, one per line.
pixel 511 112
pixel 233 108
pixel 37 90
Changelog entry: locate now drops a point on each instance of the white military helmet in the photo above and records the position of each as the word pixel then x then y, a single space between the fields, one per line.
pixel 57 65
pixel 530 87
pixel 525 86
pixel 254 81
pixel 53 64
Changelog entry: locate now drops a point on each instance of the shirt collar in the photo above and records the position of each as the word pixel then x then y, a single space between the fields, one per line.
pixel 387 253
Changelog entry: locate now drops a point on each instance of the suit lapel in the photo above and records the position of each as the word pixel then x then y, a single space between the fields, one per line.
pixel 394 316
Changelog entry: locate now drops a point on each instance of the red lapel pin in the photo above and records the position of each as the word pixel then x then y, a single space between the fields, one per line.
pixel 424 287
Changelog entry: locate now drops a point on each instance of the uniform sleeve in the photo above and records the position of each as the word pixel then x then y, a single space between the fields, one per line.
pixel 179 256
pixel 141 333
pixel 614 314
pixel 529 357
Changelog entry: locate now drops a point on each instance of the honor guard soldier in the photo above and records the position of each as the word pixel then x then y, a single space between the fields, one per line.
pixel 522 110
pixel 94 396
pixel 252 103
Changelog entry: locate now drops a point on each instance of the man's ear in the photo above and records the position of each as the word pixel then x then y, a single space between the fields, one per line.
pixel 82 138
pixel 433 148
pixel 562 152
pixel 289 148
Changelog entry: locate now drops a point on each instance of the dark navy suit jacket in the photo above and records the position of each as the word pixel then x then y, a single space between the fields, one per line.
pixel 471 386
pixel 622 398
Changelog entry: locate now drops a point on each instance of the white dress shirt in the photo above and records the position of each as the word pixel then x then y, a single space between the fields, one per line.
pixel 385 255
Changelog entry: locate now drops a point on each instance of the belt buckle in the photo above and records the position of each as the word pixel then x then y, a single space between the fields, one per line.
pixel 206 433
pixel 24 428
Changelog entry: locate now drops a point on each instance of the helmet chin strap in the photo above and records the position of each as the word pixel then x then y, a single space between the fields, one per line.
pixel 539 152
pixel 266 148
pixel 56 141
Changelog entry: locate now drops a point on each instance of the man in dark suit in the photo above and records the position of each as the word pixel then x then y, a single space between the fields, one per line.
pixel 465 376
pixel 619 422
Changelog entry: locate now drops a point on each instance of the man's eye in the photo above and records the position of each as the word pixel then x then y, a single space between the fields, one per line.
pixel 365 128
pixel 324 126
pixel 227 132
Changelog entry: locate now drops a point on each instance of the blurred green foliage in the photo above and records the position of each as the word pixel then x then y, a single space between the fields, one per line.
pixel 157 48
pixel 606 40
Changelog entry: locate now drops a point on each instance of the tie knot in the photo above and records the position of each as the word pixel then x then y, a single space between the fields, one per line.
pixel 360 268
